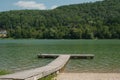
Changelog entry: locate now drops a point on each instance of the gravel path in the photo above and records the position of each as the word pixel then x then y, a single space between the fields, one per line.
pixel 88 76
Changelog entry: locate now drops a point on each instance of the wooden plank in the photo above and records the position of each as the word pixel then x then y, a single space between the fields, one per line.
pixel 35 74
pixel 81 56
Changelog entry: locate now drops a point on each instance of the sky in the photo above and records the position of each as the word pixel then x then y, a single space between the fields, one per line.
pixel 6 5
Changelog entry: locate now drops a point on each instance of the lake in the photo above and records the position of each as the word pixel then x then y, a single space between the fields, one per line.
pixel 17 55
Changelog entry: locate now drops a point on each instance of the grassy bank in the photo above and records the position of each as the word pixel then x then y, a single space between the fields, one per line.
pixel 3 72
pixel 49 77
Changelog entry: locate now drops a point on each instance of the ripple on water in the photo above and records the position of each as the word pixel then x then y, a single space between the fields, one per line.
pixel 18 55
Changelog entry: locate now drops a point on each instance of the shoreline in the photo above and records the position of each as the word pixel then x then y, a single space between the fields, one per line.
pixel 88 76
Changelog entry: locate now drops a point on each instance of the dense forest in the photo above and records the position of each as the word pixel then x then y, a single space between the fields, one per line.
pixel 98 20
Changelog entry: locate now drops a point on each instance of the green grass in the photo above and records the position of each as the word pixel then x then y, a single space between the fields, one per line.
pixel 49 77
pixel 3 72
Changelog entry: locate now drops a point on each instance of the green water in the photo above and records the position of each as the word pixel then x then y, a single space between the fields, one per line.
pixel 16 55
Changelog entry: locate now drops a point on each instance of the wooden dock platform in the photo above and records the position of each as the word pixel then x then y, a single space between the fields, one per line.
pixel 74 56
pixel 53 67
pixel 37 73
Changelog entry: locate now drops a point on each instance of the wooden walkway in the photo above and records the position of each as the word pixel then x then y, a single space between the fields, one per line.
pixel 35 74
pixel 75 56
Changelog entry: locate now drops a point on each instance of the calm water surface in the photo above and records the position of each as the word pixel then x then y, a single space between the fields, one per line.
pixel 16 55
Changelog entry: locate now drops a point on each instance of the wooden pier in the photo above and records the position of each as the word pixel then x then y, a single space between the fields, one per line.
pixel 37 73
pixel 74 56
pixel 53 67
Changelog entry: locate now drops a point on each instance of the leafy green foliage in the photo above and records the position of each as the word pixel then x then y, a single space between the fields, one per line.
pixel 80 21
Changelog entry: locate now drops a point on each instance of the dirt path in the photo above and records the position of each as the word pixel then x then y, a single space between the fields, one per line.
pixel 88 76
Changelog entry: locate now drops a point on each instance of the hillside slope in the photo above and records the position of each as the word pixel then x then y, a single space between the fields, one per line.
pixel 79 21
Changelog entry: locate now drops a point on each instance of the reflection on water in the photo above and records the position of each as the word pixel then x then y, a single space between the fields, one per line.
pixel 18 55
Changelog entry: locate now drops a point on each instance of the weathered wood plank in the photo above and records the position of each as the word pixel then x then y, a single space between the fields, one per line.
pixel 81 56
pixel 35 74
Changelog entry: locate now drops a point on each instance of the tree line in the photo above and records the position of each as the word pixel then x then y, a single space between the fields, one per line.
pixel 100 20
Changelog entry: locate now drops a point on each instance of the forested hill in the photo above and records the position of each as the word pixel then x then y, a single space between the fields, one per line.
pixel 80 21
